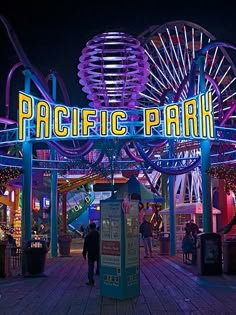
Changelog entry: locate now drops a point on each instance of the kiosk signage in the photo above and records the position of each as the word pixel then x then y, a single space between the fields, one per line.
pixel 119 245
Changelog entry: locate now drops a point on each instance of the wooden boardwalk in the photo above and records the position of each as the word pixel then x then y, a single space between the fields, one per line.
pixel 167 287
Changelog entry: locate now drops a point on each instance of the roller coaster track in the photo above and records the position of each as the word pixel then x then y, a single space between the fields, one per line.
pixel 79 209
pixel 75 212
pixel 75 183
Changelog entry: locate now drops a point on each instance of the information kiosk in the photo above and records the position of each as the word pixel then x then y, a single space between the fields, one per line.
pixel 119 246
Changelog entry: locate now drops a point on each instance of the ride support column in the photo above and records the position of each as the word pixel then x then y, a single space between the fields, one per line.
pixel 53 209
pixel 54 194
pixel 172 207
pixel 27 175
pixel 64 212
pixel 205 163
pixel 26 226
pixel 164 189
pixel 206 186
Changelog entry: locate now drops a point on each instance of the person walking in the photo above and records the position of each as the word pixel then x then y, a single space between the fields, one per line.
pixel 91 250
pixel 146 232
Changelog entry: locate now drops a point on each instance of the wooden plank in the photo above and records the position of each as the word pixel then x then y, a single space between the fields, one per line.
pixel 125 307
pixel 167 287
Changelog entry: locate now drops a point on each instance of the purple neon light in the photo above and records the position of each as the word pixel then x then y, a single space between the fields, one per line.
pixel 7 89
pixel 168 171
pixel 205 49
pixel 40 83
pixel 134 156
pixel 113 70
pixel 72 153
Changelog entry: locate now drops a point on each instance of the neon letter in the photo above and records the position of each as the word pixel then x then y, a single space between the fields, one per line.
pixel 171 117
pixel 26 112
pixel 189 114
pixel 43 118
pixel 207 126
pixel 151 119
pixel 86 123
pixel 60 112
pixel 103 123
pixel 115 117
pixel 75 121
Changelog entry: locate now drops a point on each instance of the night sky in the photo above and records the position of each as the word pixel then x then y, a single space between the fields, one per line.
pixel 53 33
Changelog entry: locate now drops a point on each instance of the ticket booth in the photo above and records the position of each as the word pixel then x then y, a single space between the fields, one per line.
pixel 184 213
pixel 119 249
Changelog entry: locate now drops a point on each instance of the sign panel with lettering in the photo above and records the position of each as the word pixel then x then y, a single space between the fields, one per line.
pixel 38 119
pixel 119 249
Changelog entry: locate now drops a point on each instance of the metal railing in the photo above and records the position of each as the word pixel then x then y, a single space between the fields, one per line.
pixel 16 259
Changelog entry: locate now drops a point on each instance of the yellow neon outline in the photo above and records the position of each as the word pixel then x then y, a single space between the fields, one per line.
pixel 172 124
pixel 86 123
pixel 115 117
pixel 149 124
pixel 60 112
pixel 23 116
pixel 75 115
pixel 103 123
pixel 190 120
pixel 43 126
pixel 207 121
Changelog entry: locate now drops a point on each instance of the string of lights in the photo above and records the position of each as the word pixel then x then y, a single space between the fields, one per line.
pixel 7 174
pixel 227 173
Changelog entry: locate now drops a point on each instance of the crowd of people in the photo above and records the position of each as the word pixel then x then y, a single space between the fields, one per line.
pixel 92 238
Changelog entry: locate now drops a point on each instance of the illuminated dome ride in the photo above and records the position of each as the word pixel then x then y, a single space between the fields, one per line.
pixel 113 70
pixel 117 72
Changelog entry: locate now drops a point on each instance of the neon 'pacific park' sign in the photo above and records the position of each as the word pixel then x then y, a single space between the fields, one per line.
pixel 41 120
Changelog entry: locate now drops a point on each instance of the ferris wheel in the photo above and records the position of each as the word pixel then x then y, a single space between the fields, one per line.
pixel 172 49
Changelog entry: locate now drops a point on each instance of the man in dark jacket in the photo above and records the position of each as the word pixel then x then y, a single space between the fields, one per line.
pixel 146 231
pixel 91 249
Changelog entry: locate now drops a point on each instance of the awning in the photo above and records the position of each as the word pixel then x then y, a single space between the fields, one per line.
pixel 137 191
pixel 190 208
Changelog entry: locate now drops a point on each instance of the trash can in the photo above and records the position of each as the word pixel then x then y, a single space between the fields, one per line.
pixel 209 254
pixel 164 239
pixel 229 255
pixel 64 242
pixel 35 252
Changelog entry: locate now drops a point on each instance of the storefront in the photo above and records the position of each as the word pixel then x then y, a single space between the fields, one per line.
pixel 184 213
